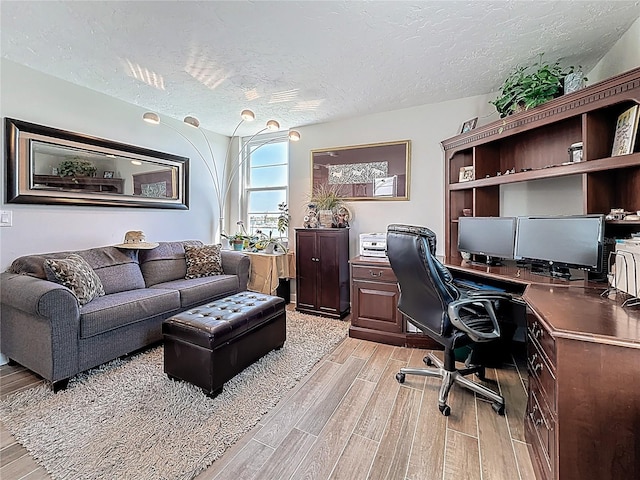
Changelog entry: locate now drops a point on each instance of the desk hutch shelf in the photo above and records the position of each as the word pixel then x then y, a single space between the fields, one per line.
pixel 534 144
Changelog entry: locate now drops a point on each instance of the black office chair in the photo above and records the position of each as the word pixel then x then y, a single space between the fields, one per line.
pixel 430 301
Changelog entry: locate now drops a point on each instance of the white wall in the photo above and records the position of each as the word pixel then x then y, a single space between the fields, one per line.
pixel 623 56
pixel 38 98
pixel 426 126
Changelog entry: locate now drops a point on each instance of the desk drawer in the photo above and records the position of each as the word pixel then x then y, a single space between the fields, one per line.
pixel 542 337
pixel 539 369
pixel 371 273
pixel 542 425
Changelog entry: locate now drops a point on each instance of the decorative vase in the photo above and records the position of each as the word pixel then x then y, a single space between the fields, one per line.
pixel 574 81
pixel 270 247
pixel 326 218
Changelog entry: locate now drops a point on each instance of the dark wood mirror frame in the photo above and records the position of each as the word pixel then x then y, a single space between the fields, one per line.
pixel 120 175
pixel 376 171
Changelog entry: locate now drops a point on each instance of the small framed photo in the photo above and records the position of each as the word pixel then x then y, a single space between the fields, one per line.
pixel 466 174
pixel 469 125
pixel 108 174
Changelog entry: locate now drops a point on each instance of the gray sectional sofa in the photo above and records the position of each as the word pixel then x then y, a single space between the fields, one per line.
pixel 43 327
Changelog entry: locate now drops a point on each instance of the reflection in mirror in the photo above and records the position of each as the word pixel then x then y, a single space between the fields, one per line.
pixel 47 165
pixel 364 172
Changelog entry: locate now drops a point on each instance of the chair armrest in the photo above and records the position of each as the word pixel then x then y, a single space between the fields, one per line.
pixel 480 313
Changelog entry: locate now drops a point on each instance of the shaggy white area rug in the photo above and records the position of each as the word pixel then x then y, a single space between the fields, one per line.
pixel 127 420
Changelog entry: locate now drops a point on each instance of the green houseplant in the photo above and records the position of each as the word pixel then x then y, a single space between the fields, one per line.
pixel 76 168
pixel 528 87
pixel 326 201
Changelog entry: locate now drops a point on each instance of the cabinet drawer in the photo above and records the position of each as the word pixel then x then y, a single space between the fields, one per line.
pixel 371 273
pixel 542 337
pixel 539 369
pixel 542 424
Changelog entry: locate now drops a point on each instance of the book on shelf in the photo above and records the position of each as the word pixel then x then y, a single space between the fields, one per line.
pixel 626 130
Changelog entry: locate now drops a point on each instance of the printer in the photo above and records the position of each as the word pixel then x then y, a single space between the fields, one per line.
pixel 373 245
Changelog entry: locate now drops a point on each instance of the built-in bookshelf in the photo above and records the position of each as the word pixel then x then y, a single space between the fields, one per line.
pixel 534 145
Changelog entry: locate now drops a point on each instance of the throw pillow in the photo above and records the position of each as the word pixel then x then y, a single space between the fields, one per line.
pixel 77 275
pixel 203 260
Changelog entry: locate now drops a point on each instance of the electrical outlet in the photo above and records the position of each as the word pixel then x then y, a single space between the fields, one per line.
pixel 6 218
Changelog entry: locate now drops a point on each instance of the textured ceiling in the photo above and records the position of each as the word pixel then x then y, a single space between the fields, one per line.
pixel 301 62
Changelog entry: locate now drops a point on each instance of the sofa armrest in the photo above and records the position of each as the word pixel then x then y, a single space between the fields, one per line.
pixel 40 325
pixel 236 263
pixel 38 297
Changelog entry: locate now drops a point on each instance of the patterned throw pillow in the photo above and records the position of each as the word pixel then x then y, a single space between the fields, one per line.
pixel 77 275
pixel 203 261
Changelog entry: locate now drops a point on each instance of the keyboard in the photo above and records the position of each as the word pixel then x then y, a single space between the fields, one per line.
pixel 471 285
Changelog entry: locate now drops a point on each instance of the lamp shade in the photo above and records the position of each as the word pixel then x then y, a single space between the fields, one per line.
pixel 151 117
pixel 273 125
pixel 248 115
pixel 193 121
pixel 294 135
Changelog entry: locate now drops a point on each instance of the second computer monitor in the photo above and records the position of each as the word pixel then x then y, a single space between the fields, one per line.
pixel 492 237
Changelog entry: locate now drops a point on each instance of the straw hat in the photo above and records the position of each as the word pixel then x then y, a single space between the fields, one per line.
pixel 135 240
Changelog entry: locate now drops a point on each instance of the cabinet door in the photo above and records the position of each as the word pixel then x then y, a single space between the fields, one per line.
pixel 328 292
pixel 307 268
pixel 376 305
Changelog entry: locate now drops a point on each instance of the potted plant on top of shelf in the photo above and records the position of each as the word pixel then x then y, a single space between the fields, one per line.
pixel 528 87
pixel 76 168
pixel 326 201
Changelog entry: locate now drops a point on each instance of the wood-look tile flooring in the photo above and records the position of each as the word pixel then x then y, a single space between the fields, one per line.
pixel 350 419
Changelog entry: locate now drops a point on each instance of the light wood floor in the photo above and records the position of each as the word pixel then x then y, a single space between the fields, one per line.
pixel 350 419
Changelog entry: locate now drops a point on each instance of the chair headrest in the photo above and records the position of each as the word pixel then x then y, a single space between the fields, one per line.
pixel 429 235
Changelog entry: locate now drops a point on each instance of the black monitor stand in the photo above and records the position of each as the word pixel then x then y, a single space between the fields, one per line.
pixel 488 261
pixel 553 271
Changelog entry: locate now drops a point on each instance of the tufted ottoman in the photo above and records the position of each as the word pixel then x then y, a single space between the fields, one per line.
pixel 208 345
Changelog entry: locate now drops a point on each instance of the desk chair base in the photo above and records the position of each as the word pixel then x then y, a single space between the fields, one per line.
pixel 448 379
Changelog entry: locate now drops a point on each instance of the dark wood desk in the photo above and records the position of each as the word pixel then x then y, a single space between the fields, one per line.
pixel 583 360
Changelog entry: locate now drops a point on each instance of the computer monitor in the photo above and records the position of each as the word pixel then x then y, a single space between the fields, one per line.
pixel 561 242
pixel 492 237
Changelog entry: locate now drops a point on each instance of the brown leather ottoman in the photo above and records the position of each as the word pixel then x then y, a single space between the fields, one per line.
pixel 210 344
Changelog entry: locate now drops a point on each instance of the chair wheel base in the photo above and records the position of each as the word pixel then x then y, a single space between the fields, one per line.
pixel 400 377
pixel 428 361
pixel 445 410
pixel 498 408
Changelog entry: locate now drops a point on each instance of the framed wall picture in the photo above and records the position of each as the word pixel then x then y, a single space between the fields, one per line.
pixel 469 125
pixel 626 129
pixel 375 171
pixel 466 174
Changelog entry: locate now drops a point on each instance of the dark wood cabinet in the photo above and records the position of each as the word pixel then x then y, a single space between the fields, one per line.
pixel 322 271
pixel 533 145
pixel 374 298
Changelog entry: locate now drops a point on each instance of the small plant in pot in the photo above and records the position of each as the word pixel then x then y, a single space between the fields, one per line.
pixel 326 199
pixel 528 87
pixel 76 168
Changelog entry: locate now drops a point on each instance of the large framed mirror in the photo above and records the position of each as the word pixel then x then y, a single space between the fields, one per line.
pixel 51 166
pixel 377 171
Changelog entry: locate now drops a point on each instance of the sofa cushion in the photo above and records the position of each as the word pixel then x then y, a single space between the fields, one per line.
pixel 118 309
pixel 164 263
pixel 203 260
pixel 117 269
pixel 197 291
pixel 77 275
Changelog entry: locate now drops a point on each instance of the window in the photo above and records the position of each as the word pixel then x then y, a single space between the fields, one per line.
pixel 266 181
